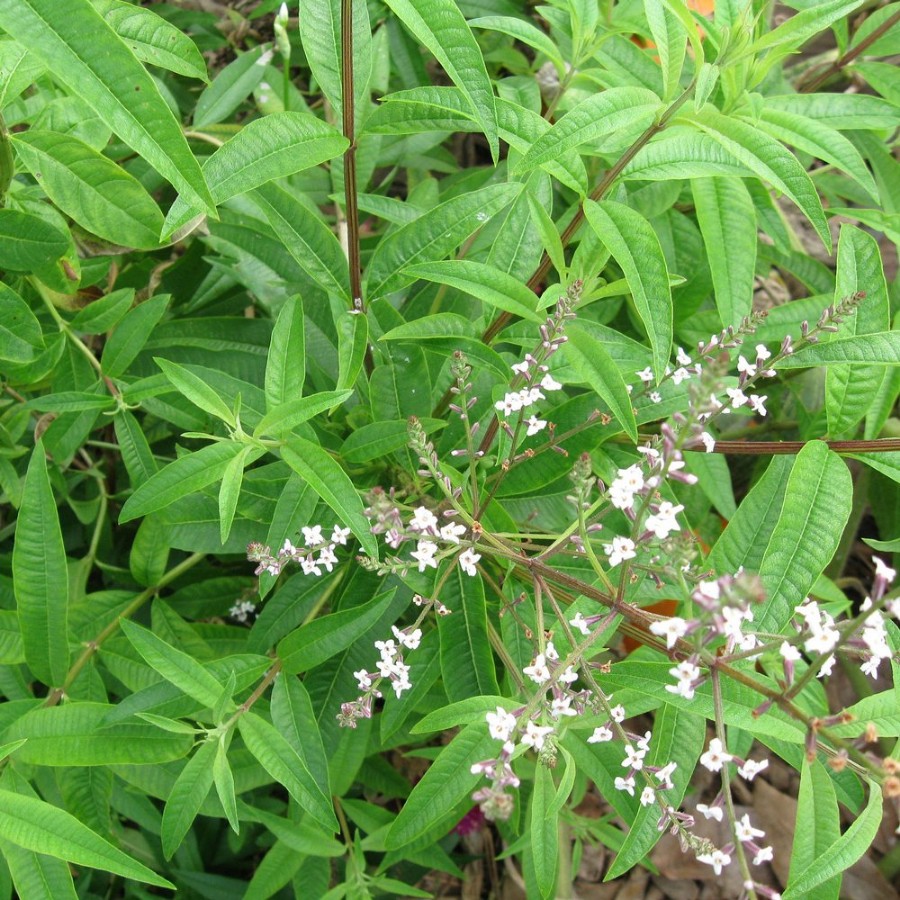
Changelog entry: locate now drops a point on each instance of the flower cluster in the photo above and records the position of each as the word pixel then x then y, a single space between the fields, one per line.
pixel 314 554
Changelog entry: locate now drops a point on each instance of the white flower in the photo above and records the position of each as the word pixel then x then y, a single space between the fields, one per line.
pixel 601 735
pixel 534 735
pixel 339 535
pixel 617 713
pixel 538 671
pixel 580 624
pixel 710 812
pixel 534 425
pixel 501 724
pixel 467 560
pixel 745 831
pixel 745 367
pixel 312 537
pixel 327 557
pixel 310 567
pixel 550 651
pixel 751 768
pixel 765 854
pixel 655 397
pixel 626 484
pixel 646 375
pixel 453 531
pixel 625 784
pixel 686 673
pixel 363 679
pixel 789 652
pixel 715 757
pixel 648 796
pixel 680 374
pixel 509 404
pixel 410 640
pixel 737 396
pixel 882 570
pixel 620 550
pixel 717 859
pixel 520 368
pixel 682 358
pixel 664 776
pixel 757 403
pixel 672 629
pixel 424 555
pixel 423 520
pixel 709 442
pixel 762 354
pixel 569 676
pixel 634 757
pixel 562 706
pixel 663 521
pixel 548 383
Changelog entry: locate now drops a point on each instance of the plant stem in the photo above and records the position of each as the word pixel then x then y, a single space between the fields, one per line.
pixel 848 57
pixel 351 208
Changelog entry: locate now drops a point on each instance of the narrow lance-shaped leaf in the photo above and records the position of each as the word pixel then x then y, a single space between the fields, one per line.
pixel 284 764
pixel 230 492
pixel 882 348
pixel 596 367
pixel 286 360
pixel 634 245
pixel 850 390
pixel 727 219
pixel 544 831
pixel 433 236
pixel 440 26
pixel 224 781
pixel 176 666
pixel 353 340
pixel 332 484
pixel 35 825
pixel 187 796
pixel 40 576
pixel 80 48
pixel 816 508
pixel 196 390
pixel 183 476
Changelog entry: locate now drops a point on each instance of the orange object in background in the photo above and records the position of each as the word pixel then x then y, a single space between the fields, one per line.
pixel 704 7
pixel 661 608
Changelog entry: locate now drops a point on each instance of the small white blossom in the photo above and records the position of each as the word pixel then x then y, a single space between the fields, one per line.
pixel 467 560
pixel 549 383
pixel 538 671
pixel 709 442
pixel 620 550
pixel 762 354
pixel 745 367
pixel 520 368
pixel 535 734
pixel 501 724
pixel 648 796
pixel 715 757
pixel 682 358
pixel 424 555
pixel 423 520
pixel 625 784
pixel 312 537
pixel 655 397
pixel 601 735
pixel 663 522
pixel 617 713
pixel 634 757
pixel 646 375
pixel 766 854
pixel 745 831
pixel 339 535
pixel 453 531
pixel 710 812
pixel 737 396
pixel 757 403
pixel 717 859
pixel 535 425
pixel 410 640
pixel 751 768
pixel 580 624
pixel 672 629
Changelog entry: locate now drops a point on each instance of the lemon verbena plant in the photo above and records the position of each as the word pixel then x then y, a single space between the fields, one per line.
pixel 446 440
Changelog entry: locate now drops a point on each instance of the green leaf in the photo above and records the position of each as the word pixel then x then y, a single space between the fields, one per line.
pixel 185 475
pixel 522 31
pixel 99 195
pixel 727 218
pixel 800 27
pixel 294 717
pixel 467 661
pixel 285 765
pixel 287 416
pixel 149 554
pixel 596 367
pixel 37 876
pixel 286 360
pixel 353 341
pixel 841 853
pixel 187 796
pixel 882 348
pixel 307 238
pixel 196 390
pixel 131 334
pixel 544 831
pixel 817 503
pixel 77 734
pixel 490 285
pixel 230 492
pixel 593 118
pixel 768 159
pixel 175 666
pixel 331 483
pixel 671 44
pixel 818 823
pixel 105 313
pixel 224 781
pixel 842 111
pixel 633 243
pixel 850 390
pixel 40 576
pixel 440 26
pixel 821 141
pixel 433 236
pixel 319 640
pixel 20 331
pixel 232 86
pixel 35 825
pixel 433 802
pixel 71 401
pixel 275 146
pixel 153 39
pixel 136 454
pixel 84 53
pixel 321 38
pixel 377 439
pixel 28 242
